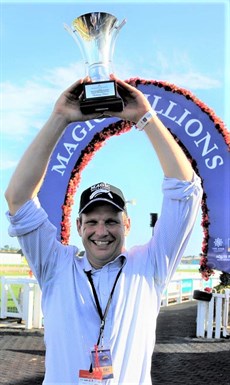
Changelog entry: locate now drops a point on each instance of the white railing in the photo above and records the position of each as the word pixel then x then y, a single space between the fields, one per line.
pixel 180 290
pixel 213 318
pixel 26 303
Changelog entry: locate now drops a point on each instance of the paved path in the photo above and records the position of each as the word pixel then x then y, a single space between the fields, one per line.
pixel 179 357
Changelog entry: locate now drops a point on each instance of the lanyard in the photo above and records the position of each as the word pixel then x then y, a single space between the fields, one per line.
pixel 102 316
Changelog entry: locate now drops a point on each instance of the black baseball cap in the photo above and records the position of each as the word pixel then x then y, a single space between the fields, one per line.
pixel 102 192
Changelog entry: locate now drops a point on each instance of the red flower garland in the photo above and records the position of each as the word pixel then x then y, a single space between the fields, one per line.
pixel 123 126
pixel 219 124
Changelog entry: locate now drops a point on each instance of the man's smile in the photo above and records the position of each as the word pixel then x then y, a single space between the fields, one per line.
pixel 101 243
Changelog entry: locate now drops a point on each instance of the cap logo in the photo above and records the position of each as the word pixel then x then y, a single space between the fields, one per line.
pixel 102 192
pixel 99 192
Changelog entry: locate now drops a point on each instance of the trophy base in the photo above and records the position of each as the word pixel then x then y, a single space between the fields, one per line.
pixel 101 105
pixel 101 96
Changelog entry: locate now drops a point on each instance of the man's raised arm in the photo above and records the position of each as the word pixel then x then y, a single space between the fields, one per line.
pixel 172 158
pixel 29 174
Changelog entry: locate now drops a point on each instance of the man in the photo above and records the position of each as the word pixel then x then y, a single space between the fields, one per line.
pixel 100 310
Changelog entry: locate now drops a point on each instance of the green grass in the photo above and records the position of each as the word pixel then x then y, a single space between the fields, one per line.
pixel 13 271
pixel 16 288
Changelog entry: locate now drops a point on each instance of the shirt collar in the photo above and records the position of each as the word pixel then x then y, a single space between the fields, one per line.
pixel 120 260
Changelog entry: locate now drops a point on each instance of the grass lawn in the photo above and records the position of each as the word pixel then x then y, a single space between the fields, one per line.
pixel 13 271
pixel 16 289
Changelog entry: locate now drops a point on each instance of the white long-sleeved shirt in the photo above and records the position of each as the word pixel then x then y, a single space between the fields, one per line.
pixel 71 318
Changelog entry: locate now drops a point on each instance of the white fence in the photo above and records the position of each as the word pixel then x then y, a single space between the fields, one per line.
pixel 180 290
pixel 213 318
pixel 21 299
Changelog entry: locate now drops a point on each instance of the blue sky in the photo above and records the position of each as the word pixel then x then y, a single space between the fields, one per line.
pixel 184 42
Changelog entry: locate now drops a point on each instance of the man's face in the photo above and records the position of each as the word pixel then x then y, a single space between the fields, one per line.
pixel 103 231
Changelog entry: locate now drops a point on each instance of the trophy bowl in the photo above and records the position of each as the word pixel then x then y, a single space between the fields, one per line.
pixel 95 34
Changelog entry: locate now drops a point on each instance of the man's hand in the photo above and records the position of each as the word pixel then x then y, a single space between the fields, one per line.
pixel 68 104
pixel 135 103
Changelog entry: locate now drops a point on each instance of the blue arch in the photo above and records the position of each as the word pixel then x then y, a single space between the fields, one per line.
pixel 201 133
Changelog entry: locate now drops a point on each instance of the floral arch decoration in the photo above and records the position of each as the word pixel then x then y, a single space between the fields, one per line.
pixel 203 137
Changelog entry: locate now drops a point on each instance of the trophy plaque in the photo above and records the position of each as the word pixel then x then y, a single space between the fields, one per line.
pixel 96 33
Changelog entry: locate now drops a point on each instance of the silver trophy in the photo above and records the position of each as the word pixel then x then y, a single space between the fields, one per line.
pixel 96 33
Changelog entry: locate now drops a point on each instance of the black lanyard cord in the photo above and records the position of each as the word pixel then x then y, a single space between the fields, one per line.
pixel 89 276
pixel 102 316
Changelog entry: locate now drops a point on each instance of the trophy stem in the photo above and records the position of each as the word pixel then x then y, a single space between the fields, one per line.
pixel 95 33
pixel 98 71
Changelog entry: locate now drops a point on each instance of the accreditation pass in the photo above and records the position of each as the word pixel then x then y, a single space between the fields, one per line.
pixel 87 377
